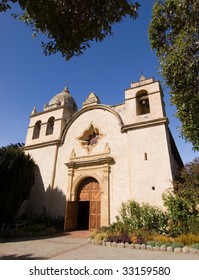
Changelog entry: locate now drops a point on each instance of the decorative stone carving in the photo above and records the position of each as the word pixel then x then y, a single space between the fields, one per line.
pixel 92 99
pixel 90 138
pixel 73 154
pixel 107 149
pixel 34 111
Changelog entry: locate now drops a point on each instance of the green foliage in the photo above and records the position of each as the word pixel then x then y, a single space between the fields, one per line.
pixel 179 213
pixel 36 227
pixel 115 228
pixel 151 243
pixel 195 246
pixel 193 224
pixel 129 214
pixel 154 243
pixel 17 177
pixel 183 204
pixel 47 220
pixel 71 25
pixel 98 235
pixel 147 224
pixel 176 227
pixel 186 186
pixel 145 216
pixel 177 245
pixel 173 33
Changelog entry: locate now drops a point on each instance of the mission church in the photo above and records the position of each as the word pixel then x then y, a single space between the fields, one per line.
pixel 89 161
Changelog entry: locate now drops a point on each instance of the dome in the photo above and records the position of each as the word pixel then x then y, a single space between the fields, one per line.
pixel 64 98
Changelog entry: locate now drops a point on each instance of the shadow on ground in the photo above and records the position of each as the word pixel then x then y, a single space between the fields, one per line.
pixel 19 239
pixel 20 257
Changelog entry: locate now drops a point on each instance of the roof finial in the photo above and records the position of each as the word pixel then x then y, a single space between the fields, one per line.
pixel 142 78
pixel 34 111
pixel 67 86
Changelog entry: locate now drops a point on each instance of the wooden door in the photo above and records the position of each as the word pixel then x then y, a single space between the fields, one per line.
pixel 95 214
pixel 90 191
pixel 71 215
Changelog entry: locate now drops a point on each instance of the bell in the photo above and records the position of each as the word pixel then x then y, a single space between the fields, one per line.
pixel 143 100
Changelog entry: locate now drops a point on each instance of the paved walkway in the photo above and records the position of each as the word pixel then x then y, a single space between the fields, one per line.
pixel 74 246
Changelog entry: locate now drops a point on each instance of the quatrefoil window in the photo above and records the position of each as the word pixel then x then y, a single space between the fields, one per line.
pixel 90 137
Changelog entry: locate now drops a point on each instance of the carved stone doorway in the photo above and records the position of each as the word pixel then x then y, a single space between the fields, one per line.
pixel 89 204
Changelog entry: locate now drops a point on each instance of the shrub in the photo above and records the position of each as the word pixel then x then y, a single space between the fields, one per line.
pixel 138 240
pixel 193 224
pixel 130 214
pixel 159 244
pixel 148 223
pixel 115 228
pixel 98 235
pixel 34 227
pixel 182 205
pixel 17 178
pixel 163 238
pixel 195 246
pixel 134 217
pixel 187 239
pixel 151 243
pixel 154 243
pixel 121 238
pixel 177 245
pixel 179 213
pixel 168 244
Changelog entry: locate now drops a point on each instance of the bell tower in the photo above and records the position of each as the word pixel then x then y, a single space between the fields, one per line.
pixel 144 101
pixel 47 126
pixel 151 154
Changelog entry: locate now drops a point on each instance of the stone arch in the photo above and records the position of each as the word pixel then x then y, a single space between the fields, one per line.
pixel 37 129
pixel 142 103
pixel 89 108
pixel 89 204
pixel 79 179
pixel 50 126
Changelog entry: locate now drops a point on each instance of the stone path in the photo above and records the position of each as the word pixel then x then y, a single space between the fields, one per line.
pixel 74 246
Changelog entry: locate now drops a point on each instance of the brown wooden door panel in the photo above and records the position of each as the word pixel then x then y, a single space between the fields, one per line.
pixel 95 213
pixel 95 196
pixel 84 196
pixel 71 215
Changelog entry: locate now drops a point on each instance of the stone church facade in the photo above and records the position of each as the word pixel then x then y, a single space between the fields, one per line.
pixel 91 160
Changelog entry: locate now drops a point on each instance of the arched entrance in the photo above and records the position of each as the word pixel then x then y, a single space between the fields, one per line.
pixel 89 204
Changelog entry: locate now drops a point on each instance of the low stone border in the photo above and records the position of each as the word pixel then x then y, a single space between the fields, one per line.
pixel 163 248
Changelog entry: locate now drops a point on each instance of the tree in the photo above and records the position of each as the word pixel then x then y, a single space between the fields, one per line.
pixel 186 185
pixel 174 34
pixel 16 180
pixel 71 24
pixel 183 204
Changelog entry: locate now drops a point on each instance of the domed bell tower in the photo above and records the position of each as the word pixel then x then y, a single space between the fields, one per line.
pixel 47 126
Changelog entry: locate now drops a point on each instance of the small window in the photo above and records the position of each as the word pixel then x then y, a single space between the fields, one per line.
pixel 50 126
pixel 142 103
pixel 37 129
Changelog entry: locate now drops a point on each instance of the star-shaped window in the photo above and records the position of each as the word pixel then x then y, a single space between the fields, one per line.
pixel 90 137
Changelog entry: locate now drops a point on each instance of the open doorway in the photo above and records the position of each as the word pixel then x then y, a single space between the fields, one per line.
pixel 89 205
pixel 83 215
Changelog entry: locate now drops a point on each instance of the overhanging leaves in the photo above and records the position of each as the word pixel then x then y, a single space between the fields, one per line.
pixel 174 34
pixel 70 25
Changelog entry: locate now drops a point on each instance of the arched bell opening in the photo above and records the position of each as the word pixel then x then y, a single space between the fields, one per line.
pixel 142 103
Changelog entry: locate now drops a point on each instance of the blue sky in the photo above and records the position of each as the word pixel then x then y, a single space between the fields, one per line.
pixel 28 78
